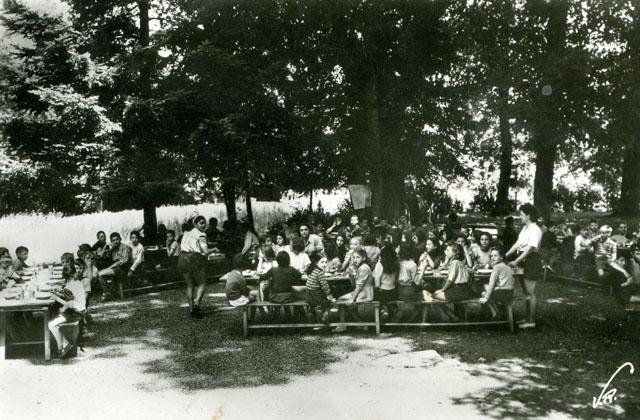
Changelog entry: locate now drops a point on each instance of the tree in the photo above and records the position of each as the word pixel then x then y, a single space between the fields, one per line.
pixel 53 116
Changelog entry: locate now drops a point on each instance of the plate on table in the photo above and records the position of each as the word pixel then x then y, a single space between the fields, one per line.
pixel 484 271
pixel 54 281
pixel 25 273
pixel 43 295
pixel 151 248
pixel 10 296
pixel 249 273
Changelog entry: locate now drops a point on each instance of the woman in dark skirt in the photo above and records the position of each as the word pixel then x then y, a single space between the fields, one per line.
pixel 191 263
pixel 526 249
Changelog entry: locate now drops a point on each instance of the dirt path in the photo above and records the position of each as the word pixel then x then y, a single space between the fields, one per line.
pixel 381 379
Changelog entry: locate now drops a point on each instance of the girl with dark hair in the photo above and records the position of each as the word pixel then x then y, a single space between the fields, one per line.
pixel 526 248
pixel 385 278
pixel 318 295
pixel 432 255
pixel 191 262
pixel 409 283
pixel 281 243
pixel 281 279
pixel 456 287
pixel 501 282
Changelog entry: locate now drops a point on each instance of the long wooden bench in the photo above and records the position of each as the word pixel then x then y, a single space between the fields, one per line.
pixel 426 313
pixel 247 325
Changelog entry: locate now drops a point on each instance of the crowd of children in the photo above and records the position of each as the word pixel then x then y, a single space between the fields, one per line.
pixel 387 263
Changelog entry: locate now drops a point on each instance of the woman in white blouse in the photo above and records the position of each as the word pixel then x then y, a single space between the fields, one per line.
pixel 527 256
pixel 191 263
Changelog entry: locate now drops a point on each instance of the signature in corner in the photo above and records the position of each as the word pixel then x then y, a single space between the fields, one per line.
pixel 607 396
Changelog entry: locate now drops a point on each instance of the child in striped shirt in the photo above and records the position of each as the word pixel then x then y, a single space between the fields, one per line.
pixel 319 295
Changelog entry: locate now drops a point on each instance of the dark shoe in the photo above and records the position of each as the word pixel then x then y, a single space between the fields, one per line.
pixel 65 350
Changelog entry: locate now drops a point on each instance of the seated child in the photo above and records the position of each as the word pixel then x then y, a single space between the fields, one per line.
pixel 8 277
pixel 121 260
pixel 236 290
pixel 348 263
pixel 281 279
pixel 137 254
pixel 385 278
pixel 456 288
pixel 409 283
pixel 266 259
pixel 20 263
pixel 88 273
pixel 319 295
pixel 173 249
pixel 501 283
pixel 363 279
pixel 72 299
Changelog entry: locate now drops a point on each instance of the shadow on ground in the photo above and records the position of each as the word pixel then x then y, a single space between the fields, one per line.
pixel 581 340
pixel 202 354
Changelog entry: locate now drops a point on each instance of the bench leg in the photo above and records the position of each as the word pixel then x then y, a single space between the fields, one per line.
pixel 245 321
pixel 512 326
pixel 47 335
pixel 376 313
pixel 3 332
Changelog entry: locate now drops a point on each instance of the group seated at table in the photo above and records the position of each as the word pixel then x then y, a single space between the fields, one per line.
pixel 394 274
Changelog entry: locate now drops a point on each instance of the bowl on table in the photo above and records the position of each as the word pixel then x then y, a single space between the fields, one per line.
pixel 484 271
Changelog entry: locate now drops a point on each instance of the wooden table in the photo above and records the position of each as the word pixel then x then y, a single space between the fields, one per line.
pixel 28 304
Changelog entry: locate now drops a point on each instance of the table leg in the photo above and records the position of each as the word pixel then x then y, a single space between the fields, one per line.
pixel 47 336
pixel 3 332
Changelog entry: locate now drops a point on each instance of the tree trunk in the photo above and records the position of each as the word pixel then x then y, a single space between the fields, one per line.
pixel 150 222
pixel 543 182
pixel 311 200
pixel 630 188
pixel 247 196
pixel 501 205
pixel 229 196
pixel 373 148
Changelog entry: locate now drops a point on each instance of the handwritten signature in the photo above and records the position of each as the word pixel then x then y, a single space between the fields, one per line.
pixel 608 396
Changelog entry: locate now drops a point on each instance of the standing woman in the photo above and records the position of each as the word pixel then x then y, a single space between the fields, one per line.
pixel 527 248
pixel 193 256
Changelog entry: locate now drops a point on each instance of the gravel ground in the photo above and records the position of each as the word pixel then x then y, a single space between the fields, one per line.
pixel 145 358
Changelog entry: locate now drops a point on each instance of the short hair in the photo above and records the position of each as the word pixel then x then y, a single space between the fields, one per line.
pixel 21 249
pixel 487 234
pixel 530 210
pixel 115 235
pixel 171 232
pixel 135 233
pixel 508 220
pixel 362 253
pixel 593 221
pixel 297 245
pixel 66 258
pixel 263 238
pixel 283 236
pixel 499 250
pixel 213 221
pixel 198 218
pixel 421 234
pixel 283 259
pixel 99 232
pixel 4 251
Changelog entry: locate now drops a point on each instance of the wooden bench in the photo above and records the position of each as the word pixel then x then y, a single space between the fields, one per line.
pixel 247 325
pixel 426 312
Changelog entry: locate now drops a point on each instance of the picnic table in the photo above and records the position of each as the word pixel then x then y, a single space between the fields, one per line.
pixel 32 296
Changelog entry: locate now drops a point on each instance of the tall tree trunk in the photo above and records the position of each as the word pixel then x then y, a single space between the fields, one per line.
pixel 630 188
pixel 501 206
pixel 543 181
pixel 374 148
pixel 149 207
pixel 150 222
pixel 229 196
pixel 247 196
pixel 311 200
